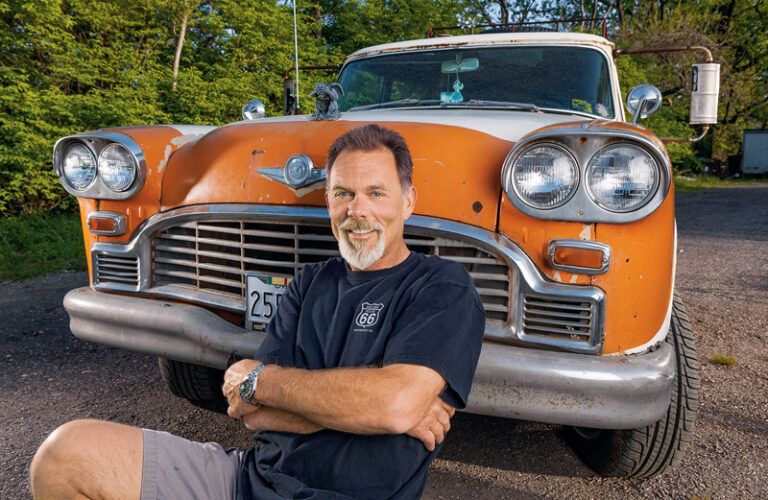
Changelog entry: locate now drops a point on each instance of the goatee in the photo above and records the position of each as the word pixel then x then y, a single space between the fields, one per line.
pixel 355 252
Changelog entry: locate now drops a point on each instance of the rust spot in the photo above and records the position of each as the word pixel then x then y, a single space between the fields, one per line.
pixel 582 140
pixel 257 152
pixel 477 207
pixel 627 260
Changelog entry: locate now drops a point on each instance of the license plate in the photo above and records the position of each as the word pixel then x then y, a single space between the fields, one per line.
pixel 264 292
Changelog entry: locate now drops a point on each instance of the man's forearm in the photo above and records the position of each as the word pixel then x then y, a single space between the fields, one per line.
pixel 274 419
pixel 359 400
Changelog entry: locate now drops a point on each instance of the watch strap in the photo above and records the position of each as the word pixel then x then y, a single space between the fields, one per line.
pixel 253 376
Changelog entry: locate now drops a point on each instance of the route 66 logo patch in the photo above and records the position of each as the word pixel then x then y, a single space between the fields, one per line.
pixel 368 315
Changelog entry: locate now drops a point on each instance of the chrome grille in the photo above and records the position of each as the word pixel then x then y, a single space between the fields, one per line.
pixel 215 255
pixel 119 269
pixel 558 317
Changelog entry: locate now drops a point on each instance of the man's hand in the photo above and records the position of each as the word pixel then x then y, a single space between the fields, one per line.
pixel 434 425
pixel 234 375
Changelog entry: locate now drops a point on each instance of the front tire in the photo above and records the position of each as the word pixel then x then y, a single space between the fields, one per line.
pixel 651 450
pixel 200 385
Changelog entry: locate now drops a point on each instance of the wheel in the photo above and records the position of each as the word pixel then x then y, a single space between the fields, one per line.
pixel 647 451
pixel 200 385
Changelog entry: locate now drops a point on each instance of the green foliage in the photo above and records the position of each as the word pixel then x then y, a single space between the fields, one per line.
pixel 727 27
pixel 696 183
pixel 36 244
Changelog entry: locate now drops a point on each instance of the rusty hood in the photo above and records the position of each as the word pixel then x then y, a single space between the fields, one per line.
pixel 457 156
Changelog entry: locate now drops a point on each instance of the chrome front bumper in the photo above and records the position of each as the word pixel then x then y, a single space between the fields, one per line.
pixel 608 392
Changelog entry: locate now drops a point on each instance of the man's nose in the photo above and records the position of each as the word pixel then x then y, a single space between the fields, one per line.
pixel 358 208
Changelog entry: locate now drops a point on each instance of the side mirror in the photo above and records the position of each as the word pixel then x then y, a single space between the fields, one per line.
pixel 704 93
pixel 253 109
pixel 643 101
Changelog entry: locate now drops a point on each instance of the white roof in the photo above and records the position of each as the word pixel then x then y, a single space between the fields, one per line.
pixel 486 40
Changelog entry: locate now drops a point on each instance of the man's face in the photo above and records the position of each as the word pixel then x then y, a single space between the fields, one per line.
pixel 368 209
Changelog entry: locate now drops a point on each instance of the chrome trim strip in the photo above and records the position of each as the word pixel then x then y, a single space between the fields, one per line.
pixel 610 392
pixel 525 278
pixel 96 141
pixel 581 207
pixel 581 244
pixel 119 220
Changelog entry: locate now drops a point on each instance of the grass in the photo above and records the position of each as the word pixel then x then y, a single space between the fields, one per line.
pixel 695 183
pixel 723 359
pixel 36 244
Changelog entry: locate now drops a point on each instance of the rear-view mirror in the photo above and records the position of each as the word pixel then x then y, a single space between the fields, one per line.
pixel 462 66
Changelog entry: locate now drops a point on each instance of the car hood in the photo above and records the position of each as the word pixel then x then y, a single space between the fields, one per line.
pixel 458 156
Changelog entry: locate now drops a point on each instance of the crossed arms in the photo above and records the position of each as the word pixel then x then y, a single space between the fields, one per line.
pixel 395 399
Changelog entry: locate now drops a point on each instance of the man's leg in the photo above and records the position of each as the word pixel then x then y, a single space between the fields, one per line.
pixel 89 459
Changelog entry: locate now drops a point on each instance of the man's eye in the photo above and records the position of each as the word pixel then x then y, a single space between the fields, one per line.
pixel 342 194
pixel 377 194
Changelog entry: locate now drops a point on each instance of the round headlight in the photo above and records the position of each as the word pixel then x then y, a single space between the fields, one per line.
pixel 79 166
pixel 622 177
pixel 117 167
pixel 544 176
pixel 297 170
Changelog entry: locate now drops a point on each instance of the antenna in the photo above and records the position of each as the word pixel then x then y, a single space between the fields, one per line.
pixel 296 56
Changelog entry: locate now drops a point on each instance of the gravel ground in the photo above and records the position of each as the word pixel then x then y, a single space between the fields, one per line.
pixel 49 377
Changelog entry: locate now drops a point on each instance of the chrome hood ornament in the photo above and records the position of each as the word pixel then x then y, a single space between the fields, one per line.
pixel 326 95
pixel 299 174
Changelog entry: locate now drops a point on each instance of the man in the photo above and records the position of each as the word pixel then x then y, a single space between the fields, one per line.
pixel 353 389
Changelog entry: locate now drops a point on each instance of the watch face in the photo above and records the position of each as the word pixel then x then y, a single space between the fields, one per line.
pixel 246 389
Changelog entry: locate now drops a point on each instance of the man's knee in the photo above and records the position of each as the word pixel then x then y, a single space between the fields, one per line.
pixel 73 454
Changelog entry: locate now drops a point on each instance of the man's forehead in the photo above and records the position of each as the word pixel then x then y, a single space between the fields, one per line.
pixel 379 163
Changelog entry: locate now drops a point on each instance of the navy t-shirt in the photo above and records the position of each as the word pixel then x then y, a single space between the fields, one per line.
pixel 424 311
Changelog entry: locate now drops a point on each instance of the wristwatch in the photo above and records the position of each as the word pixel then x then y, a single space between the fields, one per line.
pixel 248 386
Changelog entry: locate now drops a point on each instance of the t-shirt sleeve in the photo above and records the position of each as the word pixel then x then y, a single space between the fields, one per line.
pixel 442 328
pixel 279 346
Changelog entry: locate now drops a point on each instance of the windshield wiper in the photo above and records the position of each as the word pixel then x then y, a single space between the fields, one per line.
pixel 472 103
pixel 395 104
pixel 478 103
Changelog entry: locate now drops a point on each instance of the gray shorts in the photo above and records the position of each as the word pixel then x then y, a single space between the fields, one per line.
pixel 174 467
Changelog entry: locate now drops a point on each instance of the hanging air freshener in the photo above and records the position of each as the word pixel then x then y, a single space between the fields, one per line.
pixel 457 86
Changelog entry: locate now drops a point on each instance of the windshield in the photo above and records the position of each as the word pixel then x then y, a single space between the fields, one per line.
pixel 565 78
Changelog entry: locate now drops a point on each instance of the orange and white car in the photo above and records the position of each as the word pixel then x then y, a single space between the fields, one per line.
pixel 528 174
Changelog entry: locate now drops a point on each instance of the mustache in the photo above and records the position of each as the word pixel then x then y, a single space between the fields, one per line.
pixel 360 225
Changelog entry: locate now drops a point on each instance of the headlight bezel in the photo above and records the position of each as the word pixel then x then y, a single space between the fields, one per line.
pixel 96 142
pixel 583 142
pixel 576 173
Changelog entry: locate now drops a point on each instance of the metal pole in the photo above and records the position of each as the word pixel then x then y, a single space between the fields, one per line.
pixel 296 56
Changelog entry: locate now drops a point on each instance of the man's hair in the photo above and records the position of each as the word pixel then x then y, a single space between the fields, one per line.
pixel 370 138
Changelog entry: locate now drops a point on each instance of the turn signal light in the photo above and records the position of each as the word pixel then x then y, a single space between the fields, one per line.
pixel 578 256
pixel 106 223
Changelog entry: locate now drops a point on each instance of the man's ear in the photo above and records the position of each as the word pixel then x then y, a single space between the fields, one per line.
pixel 410 202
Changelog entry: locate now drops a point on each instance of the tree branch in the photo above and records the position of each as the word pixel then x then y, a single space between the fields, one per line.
pixel 179 47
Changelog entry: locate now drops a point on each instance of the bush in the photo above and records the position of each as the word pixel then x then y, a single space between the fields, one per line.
pixel 35 244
